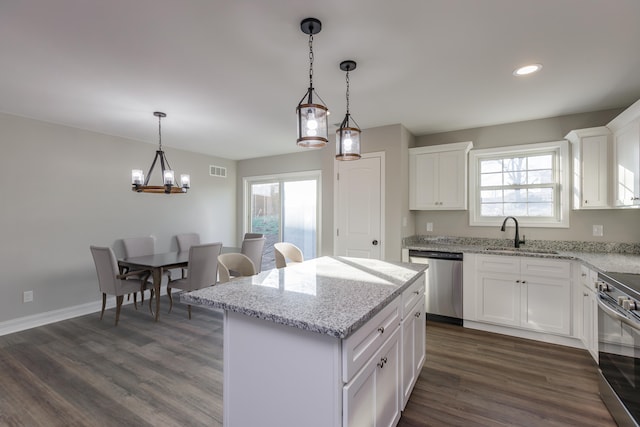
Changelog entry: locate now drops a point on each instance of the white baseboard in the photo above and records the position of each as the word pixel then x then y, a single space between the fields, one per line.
pixel 40 319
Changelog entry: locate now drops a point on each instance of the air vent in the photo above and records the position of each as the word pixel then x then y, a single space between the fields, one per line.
pixel 218 171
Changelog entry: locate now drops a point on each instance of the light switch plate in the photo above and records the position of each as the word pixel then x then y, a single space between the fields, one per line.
pixel 598 230
pixel 429 226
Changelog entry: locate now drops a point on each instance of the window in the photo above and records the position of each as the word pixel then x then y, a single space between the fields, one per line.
pixel 284 207
pixel 529 182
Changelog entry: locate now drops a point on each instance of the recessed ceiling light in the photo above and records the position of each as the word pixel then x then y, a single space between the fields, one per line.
pixel 527 69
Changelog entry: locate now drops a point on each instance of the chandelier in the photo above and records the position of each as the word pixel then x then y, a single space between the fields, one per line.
pixel 348 135
pixel 141 185
pixel 313 129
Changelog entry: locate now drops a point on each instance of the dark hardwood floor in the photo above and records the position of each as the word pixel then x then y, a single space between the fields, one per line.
pixel 86 372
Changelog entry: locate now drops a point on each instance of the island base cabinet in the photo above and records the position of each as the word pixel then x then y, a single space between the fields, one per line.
pixel 278 375
pixel 413 347
pixel 372 398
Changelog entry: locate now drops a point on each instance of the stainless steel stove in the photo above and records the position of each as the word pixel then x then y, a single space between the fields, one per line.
pixel 619 345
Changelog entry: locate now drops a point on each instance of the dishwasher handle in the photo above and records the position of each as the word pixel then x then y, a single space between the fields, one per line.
pixel 454 256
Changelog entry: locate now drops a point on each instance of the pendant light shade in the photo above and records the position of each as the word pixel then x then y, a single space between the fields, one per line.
pixel 313 127
pixel 348 134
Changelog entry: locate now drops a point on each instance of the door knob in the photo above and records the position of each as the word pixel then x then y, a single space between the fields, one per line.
pixel 374 243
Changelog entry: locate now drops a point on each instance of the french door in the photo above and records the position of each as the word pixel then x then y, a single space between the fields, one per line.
pixel 284 207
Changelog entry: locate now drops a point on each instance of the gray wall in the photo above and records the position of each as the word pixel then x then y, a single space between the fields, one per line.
pixel 394 140
pixel 65 189
pixel 620 225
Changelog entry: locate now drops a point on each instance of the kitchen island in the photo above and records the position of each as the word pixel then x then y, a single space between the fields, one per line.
pixel 330 342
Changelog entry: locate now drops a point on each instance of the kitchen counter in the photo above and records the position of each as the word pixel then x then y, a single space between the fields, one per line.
pixel 604 257
pixel 306 344
pixel 327 295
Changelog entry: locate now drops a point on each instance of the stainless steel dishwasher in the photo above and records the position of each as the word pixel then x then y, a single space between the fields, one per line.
pixel 444 284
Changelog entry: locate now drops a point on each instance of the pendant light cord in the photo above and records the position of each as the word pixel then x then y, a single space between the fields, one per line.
pixel 160 133
pixel 310 60
pixel 347 79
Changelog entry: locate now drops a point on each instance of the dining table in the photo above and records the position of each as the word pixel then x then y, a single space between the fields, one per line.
pixel 158 263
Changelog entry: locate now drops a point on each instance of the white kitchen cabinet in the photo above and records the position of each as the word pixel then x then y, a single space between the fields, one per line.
pixel 438 177
pixel 373 398
pixel 524 292
pixel 413 346
pixel 626 149
pixel 589 336
pixel 591 156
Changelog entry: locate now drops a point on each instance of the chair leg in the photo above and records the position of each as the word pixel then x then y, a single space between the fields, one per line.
pixel 189 310
pixel 135 300
pixel 119 300
pixel 150 300
pixel 104 302
pixel 170 298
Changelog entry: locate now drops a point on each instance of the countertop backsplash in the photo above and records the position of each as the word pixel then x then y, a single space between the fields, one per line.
pixel 547 245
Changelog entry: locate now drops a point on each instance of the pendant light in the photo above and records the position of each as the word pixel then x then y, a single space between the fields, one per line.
pixel 313 129
pixel 347 135
pixel 141 185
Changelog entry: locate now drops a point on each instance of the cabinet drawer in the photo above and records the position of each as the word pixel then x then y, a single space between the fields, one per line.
pixel 359 347
pixel 540 267
pixel 412 295
pixel 498 264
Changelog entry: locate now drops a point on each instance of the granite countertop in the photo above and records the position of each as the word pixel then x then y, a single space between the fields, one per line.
pixel 604 257
pixel 327 295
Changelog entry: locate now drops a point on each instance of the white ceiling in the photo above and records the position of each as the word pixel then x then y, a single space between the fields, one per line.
pixel 229 74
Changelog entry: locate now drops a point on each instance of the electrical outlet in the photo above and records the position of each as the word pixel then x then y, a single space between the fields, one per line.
pixel 598 230
pixel 27 296
pixel 429 226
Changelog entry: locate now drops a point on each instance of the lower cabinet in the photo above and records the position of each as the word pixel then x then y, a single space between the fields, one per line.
pixel 413 346
pixel 372 398
pixel 524 292
pixel 588 279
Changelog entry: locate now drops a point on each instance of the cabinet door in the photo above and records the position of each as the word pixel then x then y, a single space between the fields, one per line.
pixel 423 182
pixel 413 348
pixel 452 180
pixel 594 172
pixel 373 397
pixel 587 320
pixel 627 156
pixel 499 299
pixel 546 304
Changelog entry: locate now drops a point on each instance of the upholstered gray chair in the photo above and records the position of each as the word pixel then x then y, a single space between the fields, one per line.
pixel 253 235
pixel 202 270
pixel 234 265
pixel 185 241
pixel 253 248
pixel 141 246
pixel 287 251
pixel 111 282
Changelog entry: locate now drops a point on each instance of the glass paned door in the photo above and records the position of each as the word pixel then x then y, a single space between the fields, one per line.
pixel 285 209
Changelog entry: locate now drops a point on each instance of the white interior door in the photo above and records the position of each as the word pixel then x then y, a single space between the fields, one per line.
pixel 359 207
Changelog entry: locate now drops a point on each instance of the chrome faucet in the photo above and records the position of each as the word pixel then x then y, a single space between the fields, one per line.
pixel 517 240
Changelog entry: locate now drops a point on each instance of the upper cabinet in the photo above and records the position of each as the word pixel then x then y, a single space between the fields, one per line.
pixel 438 177
pixel 591 154
pixel 626 155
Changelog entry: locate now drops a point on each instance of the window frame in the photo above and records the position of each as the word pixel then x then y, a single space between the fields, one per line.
pixel 562 185
pixel 281 178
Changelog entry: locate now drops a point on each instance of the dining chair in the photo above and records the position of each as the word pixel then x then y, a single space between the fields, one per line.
pixel 253 248
pixel 234 265
pixel 185 241
pixel 111 282
pixel 142 246
pixel 202 270
pixel 284 251
pixel 253 235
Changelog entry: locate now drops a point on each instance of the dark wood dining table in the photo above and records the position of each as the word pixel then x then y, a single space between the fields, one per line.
pixel 158 263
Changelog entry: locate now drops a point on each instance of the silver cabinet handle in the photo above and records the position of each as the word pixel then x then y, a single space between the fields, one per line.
pixel 381 329
pixel 418 314
pixel 382 362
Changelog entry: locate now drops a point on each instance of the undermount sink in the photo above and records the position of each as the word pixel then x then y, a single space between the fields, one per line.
pixel 522 251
